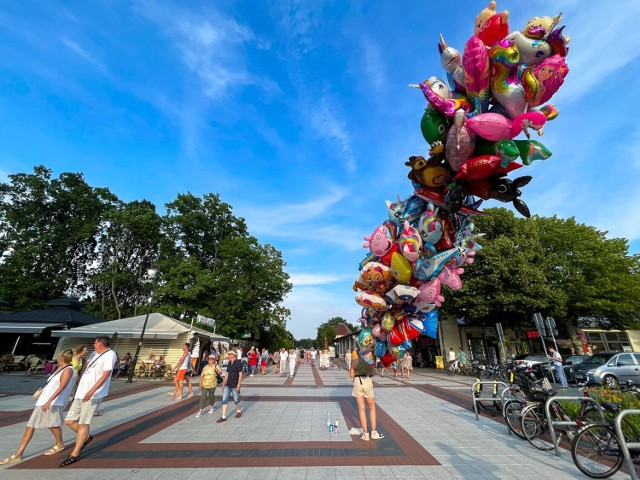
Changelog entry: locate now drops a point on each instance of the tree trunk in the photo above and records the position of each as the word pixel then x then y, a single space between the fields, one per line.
pixel 115 297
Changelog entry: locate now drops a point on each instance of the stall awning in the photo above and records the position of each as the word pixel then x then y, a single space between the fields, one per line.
pixel 17 327
pixel 159 326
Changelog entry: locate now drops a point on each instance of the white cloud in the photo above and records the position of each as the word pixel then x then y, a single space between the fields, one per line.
pixel 373 65
pixel 598 48
pixel 328 123
pixel 76 48
pixel 211 46
pixel 305 279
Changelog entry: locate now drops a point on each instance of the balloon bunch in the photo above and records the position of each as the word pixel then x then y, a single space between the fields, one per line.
pixel 470 124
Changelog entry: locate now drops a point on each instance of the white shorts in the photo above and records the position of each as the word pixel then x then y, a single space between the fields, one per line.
pixel 82 412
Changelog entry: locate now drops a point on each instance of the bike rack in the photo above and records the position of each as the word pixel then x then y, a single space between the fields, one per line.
pixel 624 445
pixel 565 423
pixel 476 400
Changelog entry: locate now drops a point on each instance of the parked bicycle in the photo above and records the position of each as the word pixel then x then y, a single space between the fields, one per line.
pixel 457 367
pixel 595 449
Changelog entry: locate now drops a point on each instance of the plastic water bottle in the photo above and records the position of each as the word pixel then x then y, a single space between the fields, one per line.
pixel 328 420
pixel 335 426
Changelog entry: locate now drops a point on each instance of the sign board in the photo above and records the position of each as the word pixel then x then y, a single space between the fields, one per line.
pixel 540 325
pixel 439 362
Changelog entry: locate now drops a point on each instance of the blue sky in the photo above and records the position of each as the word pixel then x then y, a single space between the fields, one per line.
pixel 298 114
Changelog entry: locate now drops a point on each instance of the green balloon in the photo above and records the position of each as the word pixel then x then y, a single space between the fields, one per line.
pixel 433 125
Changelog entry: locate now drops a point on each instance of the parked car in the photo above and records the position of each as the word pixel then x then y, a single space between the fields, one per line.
pixel 580 370
pixel 619 369
pixel 532 359
pixel 569 363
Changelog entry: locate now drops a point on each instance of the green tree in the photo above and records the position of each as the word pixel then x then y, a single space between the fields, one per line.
pixel 49 229
pixel 328 330
pixel 129 240
pixel 306 343
pixel 554 266
pixel 212 266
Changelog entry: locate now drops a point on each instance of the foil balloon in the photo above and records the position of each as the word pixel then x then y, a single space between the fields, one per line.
pixel 401 268
pixel 540 82
pixel 375 331
pixel 475 63
pixel 366 338
pixel 427 268
pixel 438 95
pixel 387 360
pixel 410 242
pixel 484 166
pixel 380 349
pixel 433 126
pixel 388 322
pixel 371 299
pixel 429 323
pixel 401 294
pixel 491 26
pixel 452 64
pixel 505 82
pixel 378 242
pixel 461 142
pixel 531 150
pixel 430 292
pixel 430 226
pixel 494 126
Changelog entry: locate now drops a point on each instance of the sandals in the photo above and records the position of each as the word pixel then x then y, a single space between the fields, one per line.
pixel 69 460
pixel 55 449
pixel 11 459
pixel 97 414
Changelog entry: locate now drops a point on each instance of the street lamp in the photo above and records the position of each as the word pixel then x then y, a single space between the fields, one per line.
pixel 152 273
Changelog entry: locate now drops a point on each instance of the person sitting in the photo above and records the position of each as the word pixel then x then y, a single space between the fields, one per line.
pixel 123 365
pixel 158 366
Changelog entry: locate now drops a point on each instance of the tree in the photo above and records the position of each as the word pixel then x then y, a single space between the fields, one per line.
pixel 553 266
pixel 328 330
pixel 49 228
pixel 212 266
pixel 129 240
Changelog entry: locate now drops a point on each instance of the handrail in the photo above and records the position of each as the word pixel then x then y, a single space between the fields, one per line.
pixel 565 423
pixel 622 441
pixel 478 399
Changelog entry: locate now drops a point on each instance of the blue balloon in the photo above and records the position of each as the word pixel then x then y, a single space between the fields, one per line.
pixel 381 349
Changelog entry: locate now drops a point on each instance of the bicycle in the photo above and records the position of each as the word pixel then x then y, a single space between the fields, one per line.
pixel 595 449
pixel 457 367
pixel 534 423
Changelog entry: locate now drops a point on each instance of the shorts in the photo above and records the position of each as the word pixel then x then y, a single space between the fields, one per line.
pixel 180 374
pixel 227 392
pixel 362 387
pixel 82 412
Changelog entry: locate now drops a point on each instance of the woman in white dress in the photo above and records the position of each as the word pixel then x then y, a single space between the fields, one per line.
pixel 49 407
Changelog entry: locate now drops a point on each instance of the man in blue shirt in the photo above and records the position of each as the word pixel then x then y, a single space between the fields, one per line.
pixel 231 384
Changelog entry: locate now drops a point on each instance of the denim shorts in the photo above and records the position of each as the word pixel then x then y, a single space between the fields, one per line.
pixel 227 391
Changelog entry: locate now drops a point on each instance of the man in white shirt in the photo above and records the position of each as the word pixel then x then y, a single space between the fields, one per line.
pixel 92 388
pixel 451 356
pixel 314 352
pixel 284 355
pixel 239 352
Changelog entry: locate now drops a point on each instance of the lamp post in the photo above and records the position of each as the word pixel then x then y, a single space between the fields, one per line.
pixel 152 273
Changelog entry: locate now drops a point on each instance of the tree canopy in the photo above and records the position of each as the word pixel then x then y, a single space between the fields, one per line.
pixel 328 330
pixel 557 267
pixel 64 237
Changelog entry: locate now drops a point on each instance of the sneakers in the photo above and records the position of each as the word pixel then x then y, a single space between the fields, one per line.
pixel 221 419
pixel 238 414
pixel 365 436
pixel 198 414
pixel 211 410
pixel 376 435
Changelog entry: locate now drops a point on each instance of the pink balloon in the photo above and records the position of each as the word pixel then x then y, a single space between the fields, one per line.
pixel 495 127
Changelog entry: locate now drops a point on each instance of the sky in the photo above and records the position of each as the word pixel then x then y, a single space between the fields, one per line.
pixel 299 114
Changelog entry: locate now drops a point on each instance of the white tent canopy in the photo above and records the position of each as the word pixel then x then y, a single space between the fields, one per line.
pixel 159 326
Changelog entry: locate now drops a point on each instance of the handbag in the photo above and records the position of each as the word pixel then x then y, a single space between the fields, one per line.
pixel 37 393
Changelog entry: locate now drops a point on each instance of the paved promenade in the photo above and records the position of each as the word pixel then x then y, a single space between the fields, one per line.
pixel 428 422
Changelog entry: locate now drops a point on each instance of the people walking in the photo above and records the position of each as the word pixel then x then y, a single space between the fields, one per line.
pixel 451 356
pixel 264 357
pixel 231 386
pixel 180 370
pixel 284 356
pixel 276 361
pixel 362 369
pixel 49 407
pixel 93 387
pixel 407 365
pixel 292 362
pixel 208 384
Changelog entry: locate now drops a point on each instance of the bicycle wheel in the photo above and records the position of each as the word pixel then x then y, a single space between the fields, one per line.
pixel 591 415
pixel 450 370
pixel 535 428
pixel 596 452
pixel 512 414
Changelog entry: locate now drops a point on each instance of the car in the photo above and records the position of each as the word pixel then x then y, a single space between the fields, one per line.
pixel 531 359
pixel 620 368
pixel 580 370
pixel 575 359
